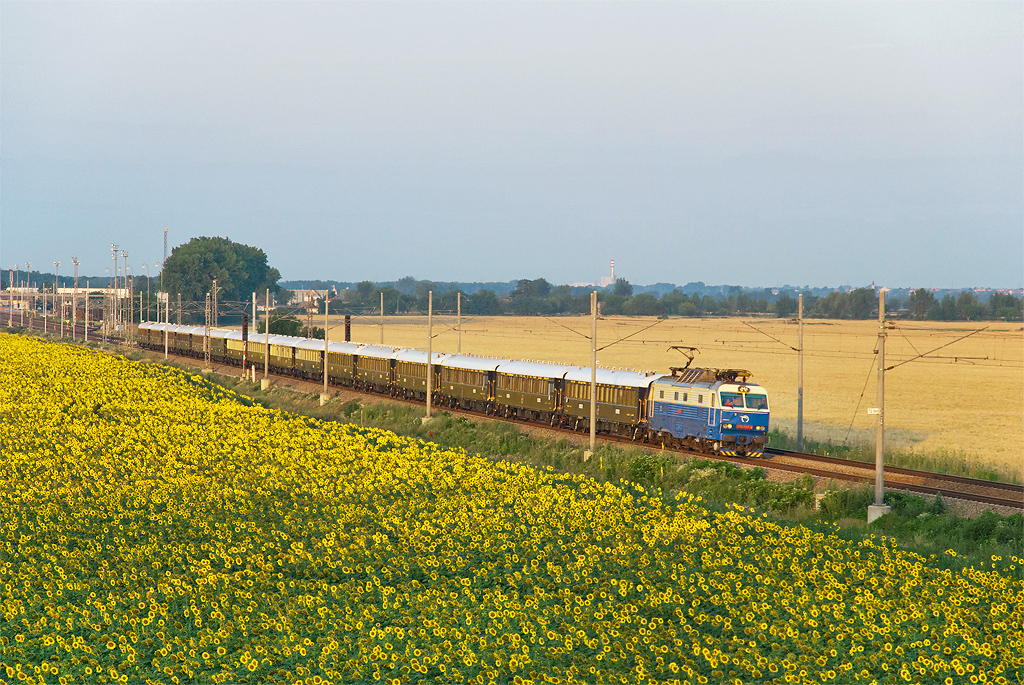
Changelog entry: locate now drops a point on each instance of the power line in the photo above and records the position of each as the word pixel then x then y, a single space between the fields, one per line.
pixel 935 350
pixel 631 335
pixel 846 441
pixel 770 336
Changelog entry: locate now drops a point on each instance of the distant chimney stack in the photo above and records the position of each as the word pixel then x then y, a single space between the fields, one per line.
pixel 609 280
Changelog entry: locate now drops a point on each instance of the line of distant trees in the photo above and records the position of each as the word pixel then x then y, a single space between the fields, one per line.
pixel 243 269
pixel 539 297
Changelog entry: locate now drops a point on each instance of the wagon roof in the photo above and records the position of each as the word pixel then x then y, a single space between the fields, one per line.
pixel 310 344
pixel 537 369
pixel 630 379
pixel 409 354
pixel 465 361
pixel 377 351
pixel 344 347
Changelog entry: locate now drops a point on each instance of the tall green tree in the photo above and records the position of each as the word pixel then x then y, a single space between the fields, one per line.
pixel 240 270
pixel 863 303
pixel 1005 306
pixel 483 302
pixel 785 306
pixel 921 301
pixel 623 287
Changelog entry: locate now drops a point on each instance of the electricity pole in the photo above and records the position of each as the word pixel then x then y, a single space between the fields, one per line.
pixel 125 316
pixel 56 290
pixel 255 328
pixel 266 359
pixel 459 300
pixel 162 265
pixel 113 288
pixel 28 280
pixel 323 395
pixel 10 292
pixel 167 321
pixel 108 300
pixel 381 317
pixel 879 508
pixel 148 289
pixel 430 346
pixel 74 300
pixel 800 374
pixel 206 336
pixel 593 373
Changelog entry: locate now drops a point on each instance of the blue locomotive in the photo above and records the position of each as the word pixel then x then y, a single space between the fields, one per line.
pixel 712 410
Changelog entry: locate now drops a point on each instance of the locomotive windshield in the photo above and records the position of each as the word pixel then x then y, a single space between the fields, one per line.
pixel 732 399
pixel 757 401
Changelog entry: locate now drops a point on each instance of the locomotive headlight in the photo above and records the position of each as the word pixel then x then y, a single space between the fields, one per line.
pixel 727 426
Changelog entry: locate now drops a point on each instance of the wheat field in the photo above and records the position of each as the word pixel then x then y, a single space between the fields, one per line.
pixel 966 398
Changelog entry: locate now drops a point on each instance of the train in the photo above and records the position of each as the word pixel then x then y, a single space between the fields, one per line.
pixel 718 411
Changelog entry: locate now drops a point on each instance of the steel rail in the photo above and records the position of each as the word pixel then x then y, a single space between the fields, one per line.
pixel 914 473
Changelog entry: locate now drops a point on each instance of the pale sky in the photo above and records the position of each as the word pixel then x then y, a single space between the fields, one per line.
pixel 749 143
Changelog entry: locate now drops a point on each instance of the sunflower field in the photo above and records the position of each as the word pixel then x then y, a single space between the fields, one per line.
pixel 161 529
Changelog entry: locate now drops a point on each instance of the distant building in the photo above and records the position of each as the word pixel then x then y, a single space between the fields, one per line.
pixel 609 280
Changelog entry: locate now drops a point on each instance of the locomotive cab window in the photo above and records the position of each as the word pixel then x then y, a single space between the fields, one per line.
pixel 757 401
pixel 732 399
pixel 661 394
pixel 677 396
pixel 700 399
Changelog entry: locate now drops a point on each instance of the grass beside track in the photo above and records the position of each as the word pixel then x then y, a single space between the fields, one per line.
pixel 951 462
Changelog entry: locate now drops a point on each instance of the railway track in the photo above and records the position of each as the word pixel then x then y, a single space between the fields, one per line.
pixel 821 466
pixel 33 323
pixel 913 480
